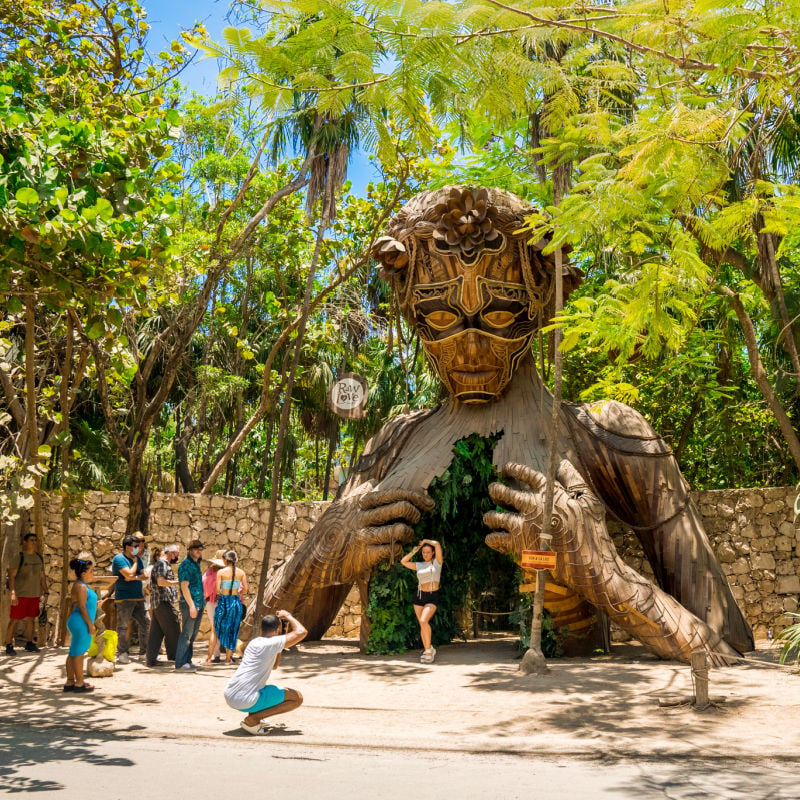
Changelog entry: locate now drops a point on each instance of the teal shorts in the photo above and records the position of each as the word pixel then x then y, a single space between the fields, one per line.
pixel 268 697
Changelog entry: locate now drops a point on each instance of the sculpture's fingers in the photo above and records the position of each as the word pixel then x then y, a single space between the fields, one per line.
pixel 500 521
pixel 503 542
pixel 506 496
pixel 398 532
pixel 525 474
pixel 570 478
pixel 400 509
pixel 381 552
pixel 422 500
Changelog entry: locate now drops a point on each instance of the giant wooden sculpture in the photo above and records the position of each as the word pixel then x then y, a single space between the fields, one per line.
pixel 477 290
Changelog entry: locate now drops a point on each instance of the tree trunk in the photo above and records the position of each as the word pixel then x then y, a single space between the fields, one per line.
pixel 332 441
pixel 534 661
pixel 138 495
pixel 262 476
pixel 30 413
pixel 687 428
pixel 182 472
pixel 283 427
pixel 760 376
pixel 769 265
pixel 66 450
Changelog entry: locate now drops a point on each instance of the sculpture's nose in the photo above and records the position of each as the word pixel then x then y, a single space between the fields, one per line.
pixel 475 346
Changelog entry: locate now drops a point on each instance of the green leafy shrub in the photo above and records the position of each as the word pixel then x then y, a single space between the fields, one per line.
pixel 552 639
pixel 461 496
pixel 790 638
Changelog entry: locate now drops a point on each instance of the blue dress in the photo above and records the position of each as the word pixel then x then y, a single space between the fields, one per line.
pixel 80 638
pixel 228 614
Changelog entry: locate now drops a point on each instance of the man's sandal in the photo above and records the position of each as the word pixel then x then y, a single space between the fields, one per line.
pixel 84 687
pixel 69 687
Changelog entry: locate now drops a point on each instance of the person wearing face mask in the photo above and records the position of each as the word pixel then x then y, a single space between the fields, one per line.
pixel 164 626
pixel 129 597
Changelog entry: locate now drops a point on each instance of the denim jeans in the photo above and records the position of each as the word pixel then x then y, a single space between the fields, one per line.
pixel 189 630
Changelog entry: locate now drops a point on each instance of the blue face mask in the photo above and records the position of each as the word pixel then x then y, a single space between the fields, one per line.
pixel 136 551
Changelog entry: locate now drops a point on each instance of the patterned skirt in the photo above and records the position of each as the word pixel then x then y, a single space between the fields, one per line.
pixel 227 618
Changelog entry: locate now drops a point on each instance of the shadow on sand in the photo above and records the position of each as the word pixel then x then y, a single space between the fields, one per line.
pixel 39 725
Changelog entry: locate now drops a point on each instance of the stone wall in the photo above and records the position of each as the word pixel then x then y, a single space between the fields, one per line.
pixel 220 522
pixel 751 530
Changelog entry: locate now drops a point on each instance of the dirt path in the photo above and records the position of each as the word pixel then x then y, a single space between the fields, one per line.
pixel 472 699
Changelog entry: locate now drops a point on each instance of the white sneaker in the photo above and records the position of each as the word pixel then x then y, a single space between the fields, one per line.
pixel 427 656
pixel 123 658
pixel 188 668
pixel 255 730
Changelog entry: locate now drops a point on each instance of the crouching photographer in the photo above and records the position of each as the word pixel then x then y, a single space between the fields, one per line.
pixel 248 689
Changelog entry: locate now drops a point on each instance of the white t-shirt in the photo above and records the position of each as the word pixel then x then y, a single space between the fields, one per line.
pixel 259 657
pixel 427 572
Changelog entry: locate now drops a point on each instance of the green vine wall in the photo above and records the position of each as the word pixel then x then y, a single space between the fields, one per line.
pixel 461 496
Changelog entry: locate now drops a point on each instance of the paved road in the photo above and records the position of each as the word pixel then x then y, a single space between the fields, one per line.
pixel 58 762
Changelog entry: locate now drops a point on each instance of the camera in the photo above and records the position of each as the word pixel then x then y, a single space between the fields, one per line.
pixel 284 625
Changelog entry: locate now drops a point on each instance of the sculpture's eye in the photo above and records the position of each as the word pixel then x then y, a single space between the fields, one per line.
pixel 499 319
pixel 440 320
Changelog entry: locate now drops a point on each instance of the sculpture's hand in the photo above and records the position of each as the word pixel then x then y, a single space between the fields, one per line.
pixel 355 534
pixel 513 532
pixel 588 562
pixel 385 525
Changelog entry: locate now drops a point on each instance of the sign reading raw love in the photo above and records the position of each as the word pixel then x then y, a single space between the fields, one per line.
pixel 538 559
pixel 348 396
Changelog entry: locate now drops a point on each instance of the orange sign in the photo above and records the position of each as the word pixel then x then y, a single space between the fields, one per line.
pixel 538 559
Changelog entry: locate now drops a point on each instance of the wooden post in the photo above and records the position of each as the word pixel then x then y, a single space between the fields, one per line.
pixel 534 662
pixel 700 679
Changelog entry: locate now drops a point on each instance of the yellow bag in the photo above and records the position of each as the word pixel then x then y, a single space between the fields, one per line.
pixel 110 649
pixel 109 646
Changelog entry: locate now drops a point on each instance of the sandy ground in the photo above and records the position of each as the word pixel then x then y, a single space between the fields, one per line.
pixel 472 700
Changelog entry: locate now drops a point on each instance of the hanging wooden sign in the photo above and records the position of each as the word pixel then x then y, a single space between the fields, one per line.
pixel 525 588
pixel 348 396
pixel 538 559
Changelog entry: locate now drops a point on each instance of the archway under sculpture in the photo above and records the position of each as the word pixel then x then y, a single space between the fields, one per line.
pixel 476 290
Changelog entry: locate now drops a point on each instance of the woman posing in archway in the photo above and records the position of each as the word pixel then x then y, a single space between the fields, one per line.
pixel 429 574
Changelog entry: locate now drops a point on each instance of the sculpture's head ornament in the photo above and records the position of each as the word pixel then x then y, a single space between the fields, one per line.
pixel 471 282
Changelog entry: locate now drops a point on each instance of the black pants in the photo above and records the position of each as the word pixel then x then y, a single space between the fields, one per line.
pixel 164 627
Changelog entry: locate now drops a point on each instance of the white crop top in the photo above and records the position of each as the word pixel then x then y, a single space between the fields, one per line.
pixel 428 571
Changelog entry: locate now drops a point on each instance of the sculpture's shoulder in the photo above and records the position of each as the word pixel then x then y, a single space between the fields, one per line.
pixel 383 448
pixel 619 426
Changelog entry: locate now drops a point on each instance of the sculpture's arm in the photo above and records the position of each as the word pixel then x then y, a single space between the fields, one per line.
pixel 357 531
pixel 588 562
pixel 636 475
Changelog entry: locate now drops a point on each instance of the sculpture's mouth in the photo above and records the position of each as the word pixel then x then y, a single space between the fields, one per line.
pixel 474 376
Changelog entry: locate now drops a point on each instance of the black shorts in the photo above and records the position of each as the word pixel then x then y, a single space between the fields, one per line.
pixel 423 598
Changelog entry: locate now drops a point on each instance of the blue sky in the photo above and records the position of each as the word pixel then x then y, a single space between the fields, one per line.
pixel 167 18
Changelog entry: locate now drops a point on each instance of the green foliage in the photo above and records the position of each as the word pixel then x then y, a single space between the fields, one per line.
pixel 461 497
pixel 82 203
pixel 790 639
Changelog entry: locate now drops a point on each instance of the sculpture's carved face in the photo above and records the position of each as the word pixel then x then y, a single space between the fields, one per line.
pixel 474 329
pixel 470 282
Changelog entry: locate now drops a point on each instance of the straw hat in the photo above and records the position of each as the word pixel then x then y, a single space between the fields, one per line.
pixel 218 560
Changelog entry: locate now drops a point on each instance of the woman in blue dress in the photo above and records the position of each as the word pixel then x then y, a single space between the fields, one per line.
pixel 231 582
pixel 80 623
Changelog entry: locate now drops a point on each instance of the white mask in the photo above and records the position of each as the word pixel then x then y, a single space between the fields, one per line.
pixel 136 551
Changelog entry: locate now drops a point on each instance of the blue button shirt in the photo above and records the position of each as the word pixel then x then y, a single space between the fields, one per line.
pixel 189 570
